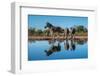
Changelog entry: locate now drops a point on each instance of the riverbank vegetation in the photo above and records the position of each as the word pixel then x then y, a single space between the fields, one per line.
pixel 57 31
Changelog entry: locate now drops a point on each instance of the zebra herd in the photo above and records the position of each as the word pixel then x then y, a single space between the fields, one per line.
pixel 55 29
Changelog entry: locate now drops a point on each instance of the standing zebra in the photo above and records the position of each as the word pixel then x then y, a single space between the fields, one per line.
pixel 66 33
pixel 72 32
pixel 54 30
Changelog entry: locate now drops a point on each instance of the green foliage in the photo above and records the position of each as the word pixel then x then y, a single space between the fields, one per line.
pixel 31 31
pixel 34 31
pixel 80 31
pixel 81 28
pixel 39 32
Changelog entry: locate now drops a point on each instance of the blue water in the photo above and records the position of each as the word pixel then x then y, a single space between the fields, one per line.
pixel 55 49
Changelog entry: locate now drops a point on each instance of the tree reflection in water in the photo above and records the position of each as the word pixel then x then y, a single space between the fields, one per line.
pixel 69 45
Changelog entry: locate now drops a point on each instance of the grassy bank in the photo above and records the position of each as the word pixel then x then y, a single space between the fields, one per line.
pixel 50 38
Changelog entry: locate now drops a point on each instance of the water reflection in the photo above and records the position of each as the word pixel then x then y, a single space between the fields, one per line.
pixel 69 45
pixel 74 48
pixel 55 47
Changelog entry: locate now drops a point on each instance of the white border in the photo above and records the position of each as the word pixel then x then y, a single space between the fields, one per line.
pixel 19 38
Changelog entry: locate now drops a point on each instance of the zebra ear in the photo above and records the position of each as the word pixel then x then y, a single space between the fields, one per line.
pixel 47 23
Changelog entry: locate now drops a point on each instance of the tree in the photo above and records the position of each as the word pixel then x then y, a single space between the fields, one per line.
pixel 39 32
pixel 31 31
pixel 81 28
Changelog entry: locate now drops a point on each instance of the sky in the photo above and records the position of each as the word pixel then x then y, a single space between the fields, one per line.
pixel 39 21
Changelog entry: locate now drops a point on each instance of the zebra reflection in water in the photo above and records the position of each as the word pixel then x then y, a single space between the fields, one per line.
pixel 69 45
pixel 56 46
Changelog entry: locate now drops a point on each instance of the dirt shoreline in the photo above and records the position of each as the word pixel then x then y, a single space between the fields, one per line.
pixel 50 38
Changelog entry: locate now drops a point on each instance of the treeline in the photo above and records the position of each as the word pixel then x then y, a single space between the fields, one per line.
pixel 36 32
pixel 80 30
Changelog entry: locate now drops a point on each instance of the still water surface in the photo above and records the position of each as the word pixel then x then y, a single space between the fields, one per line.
pixel 56 49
